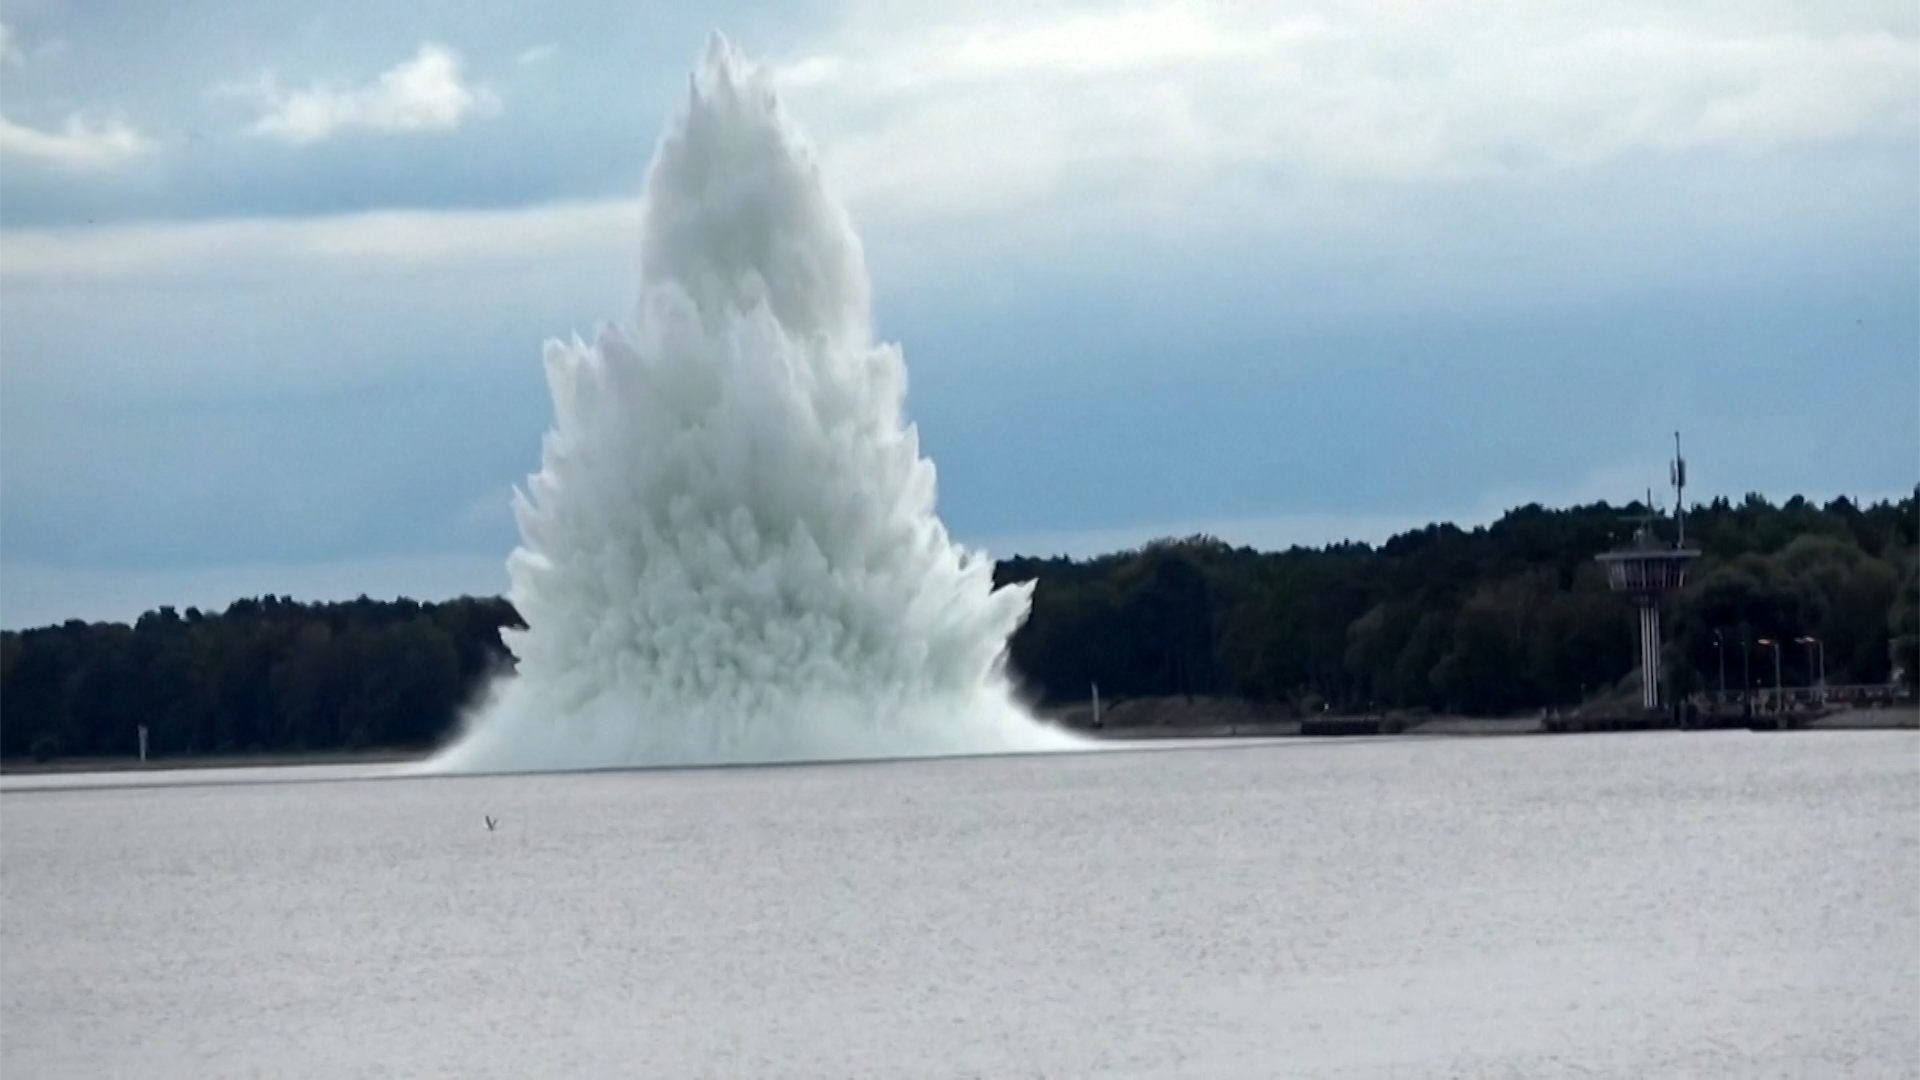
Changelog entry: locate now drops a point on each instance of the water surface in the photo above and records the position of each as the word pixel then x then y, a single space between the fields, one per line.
pixel 1719 905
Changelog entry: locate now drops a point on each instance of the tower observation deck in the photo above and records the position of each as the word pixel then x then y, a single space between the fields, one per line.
pixel 1646 570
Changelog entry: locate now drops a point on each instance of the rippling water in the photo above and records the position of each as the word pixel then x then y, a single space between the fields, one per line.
pixel 1727 905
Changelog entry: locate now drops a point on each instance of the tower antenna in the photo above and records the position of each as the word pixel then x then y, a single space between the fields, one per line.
pixel 1679 470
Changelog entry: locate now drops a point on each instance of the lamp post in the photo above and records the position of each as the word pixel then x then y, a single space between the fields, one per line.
pixel 1775 646
pixel 1720 654
pixel 1812 643
pixel 1746 675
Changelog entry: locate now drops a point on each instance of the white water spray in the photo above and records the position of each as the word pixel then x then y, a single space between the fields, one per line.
pixel 730 553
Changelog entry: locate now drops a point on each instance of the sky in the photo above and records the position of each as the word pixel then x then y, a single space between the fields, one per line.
pixel 274 278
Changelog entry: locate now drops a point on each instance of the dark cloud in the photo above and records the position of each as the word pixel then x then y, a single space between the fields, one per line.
pixel 1398 349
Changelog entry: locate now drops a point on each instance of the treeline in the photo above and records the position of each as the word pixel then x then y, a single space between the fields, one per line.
pixel 1509 617
pixel 1490 621
pixel 268 674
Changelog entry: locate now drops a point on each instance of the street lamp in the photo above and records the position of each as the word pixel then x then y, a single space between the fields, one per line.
pixel 1813 643
pixel 1720 654
pixel 1746 675
pixel 1775 646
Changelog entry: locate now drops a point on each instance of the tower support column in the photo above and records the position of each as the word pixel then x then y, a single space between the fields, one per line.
pixel 1649 656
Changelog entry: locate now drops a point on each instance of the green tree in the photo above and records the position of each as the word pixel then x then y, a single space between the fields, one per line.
pixel 1512 616
pixel 1903 622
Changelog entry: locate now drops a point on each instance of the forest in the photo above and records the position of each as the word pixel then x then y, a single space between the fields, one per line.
pixel 1488 621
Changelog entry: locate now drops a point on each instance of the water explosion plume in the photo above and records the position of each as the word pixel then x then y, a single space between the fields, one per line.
pixel 730 552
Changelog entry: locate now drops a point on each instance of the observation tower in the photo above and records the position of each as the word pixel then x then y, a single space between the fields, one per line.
pixel 1647 570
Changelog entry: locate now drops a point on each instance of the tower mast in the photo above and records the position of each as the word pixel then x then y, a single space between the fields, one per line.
pixel 1679 471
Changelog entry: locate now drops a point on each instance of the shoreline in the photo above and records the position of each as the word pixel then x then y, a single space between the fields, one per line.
pixel 1177 719
pixel 266 759
pixel 1907 719
pixel 1144 719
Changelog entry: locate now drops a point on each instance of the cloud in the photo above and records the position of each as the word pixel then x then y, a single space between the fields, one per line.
pixel 495 508
pixel 1139 104
pixel 83 142
pixel 1268 533
pixel 10 55
pixel 37 593
pixel 33 594
pixel 1617 484
pixel 538 54
pixel 425 93
pixel 266 249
